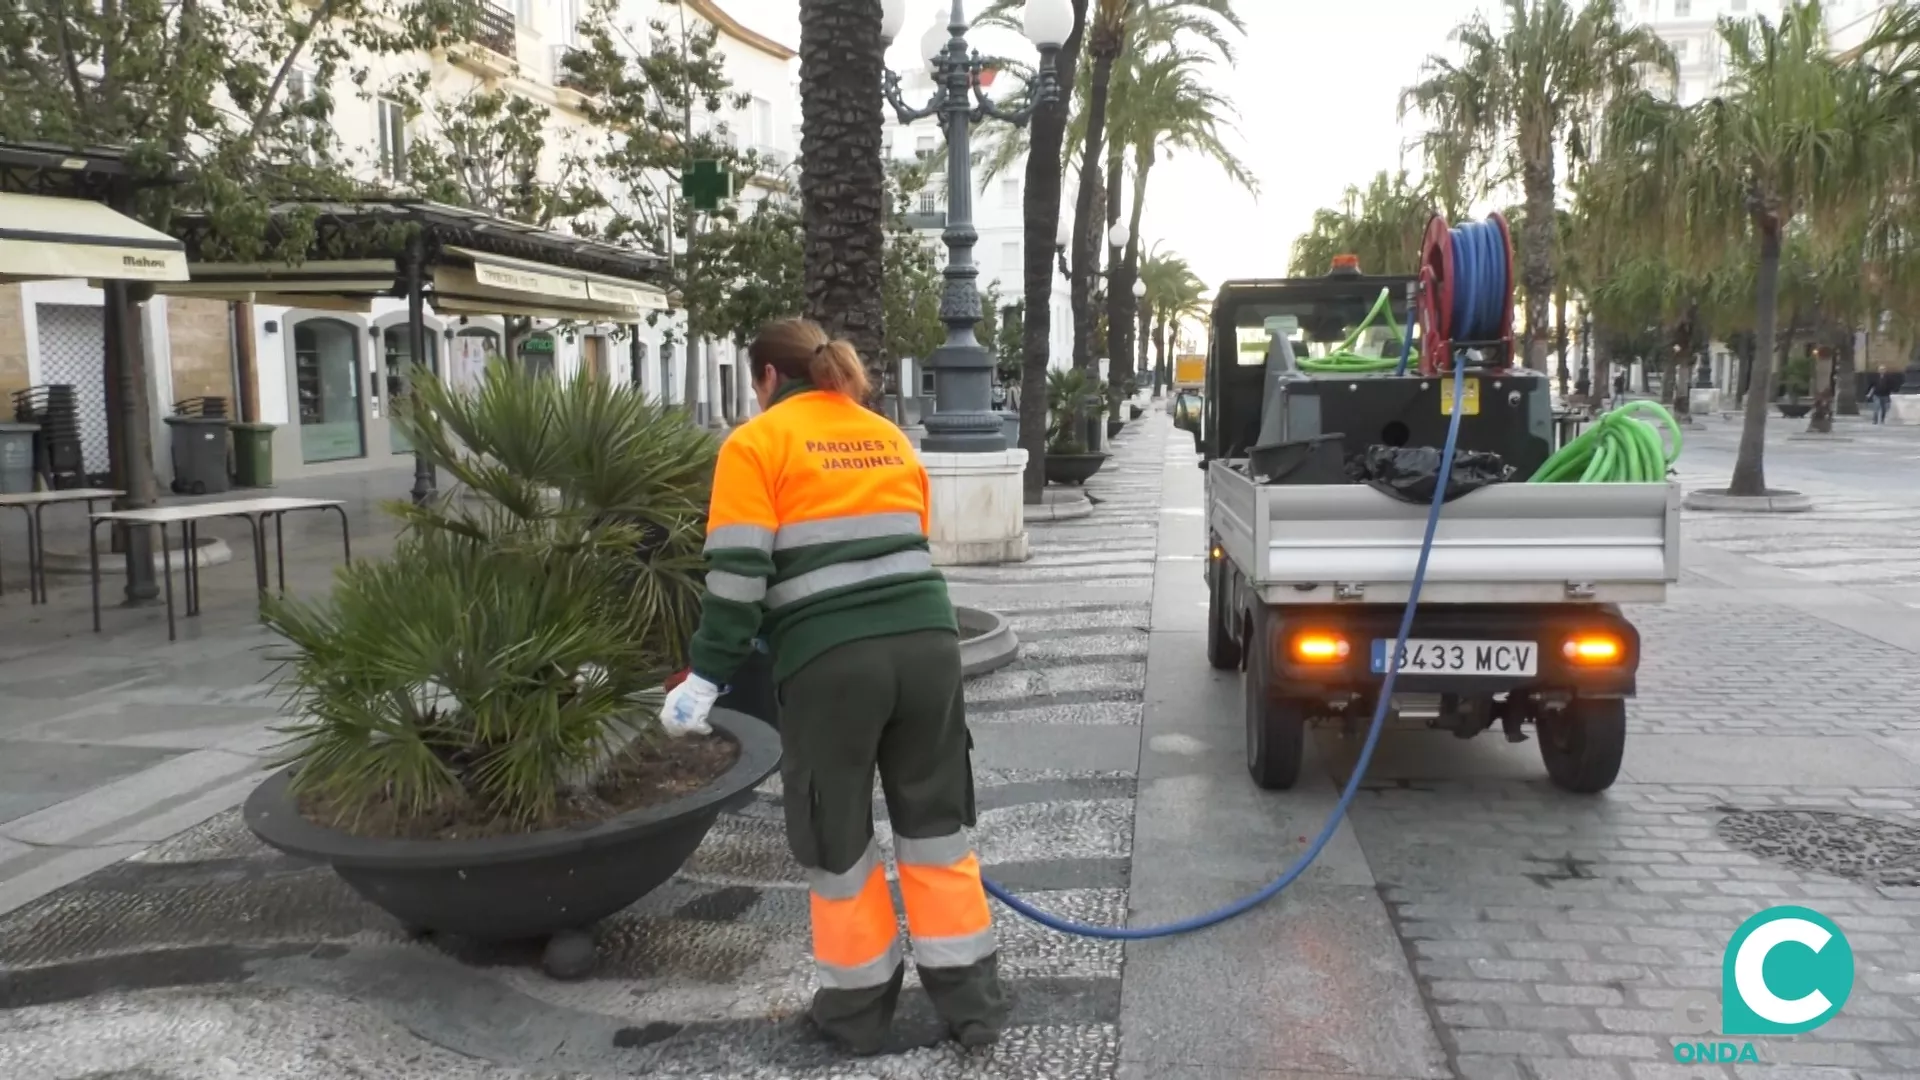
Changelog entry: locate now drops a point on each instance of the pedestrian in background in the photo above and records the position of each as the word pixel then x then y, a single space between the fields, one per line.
pixel 1880 393
pixel 818 528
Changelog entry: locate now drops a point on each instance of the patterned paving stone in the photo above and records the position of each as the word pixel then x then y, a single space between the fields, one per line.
pixel 211 955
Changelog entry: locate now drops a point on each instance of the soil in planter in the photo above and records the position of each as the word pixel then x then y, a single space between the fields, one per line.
pixel 652 772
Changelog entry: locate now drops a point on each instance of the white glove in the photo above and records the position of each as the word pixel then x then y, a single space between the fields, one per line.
pixel 687 705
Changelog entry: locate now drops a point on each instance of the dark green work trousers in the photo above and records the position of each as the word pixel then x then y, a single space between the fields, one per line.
pixel 895 704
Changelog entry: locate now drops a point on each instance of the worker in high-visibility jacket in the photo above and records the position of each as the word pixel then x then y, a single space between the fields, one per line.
pixel 817 534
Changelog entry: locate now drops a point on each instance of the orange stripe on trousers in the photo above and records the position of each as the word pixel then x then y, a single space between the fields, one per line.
pixel 849 933
pixel 945 901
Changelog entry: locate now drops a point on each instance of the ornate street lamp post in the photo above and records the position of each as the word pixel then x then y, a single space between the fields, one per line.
pixel 963 419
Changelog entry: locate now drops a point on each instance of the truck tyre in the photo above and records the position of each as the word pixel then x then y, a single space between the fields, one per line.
pixel 1222 651
pixel 1582 745
pixel 1276 727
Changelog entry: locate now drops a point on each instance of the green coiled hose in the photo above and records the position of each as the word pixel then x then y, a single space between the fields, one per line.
pixel 1344 361
pixel 1619 448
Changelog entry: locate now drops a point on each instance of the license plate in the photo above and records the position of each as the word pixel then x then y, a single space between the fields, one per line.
pixel 1513 658
pixel 1470 397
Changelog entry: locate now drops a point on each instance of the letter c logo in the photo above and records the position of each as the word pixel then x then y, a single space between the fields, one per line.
pixel 1787 970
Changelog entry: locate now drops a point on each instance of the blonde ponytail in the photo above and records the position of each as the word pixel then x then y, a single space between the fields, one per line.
pixel 836 366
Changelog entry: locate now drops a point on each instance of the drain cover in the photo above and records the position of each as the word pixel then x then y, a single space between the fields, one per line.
pixel 1844 845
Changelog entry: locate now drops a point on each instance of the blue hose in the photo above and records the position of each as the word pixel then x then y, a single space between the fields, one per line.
pixel 1248 903
pixel 1480 285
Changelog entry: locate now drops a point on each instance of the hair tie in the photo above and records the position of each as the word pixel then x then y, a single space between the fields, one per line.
pixel 822 347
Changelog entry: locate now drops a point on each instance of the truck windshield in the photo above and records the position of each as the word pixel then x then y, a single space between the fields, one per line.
pixel 1316 326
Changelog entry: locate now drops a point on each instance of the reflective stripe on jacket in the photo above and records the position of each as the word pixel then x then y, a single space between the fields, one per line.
pixel 818 529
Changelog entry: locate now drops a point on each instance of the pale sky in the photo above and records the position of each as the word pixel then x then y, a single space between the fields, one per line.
pixel 1317 88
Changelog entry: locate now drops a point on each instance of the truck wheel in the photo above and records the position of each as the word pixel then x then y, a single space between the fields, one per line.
pixel 1276 727
pixel 1582 744
pixel 1222 651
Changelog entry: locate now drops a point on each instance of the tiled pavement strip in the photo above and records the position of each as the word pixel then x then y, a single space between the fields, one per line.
pixel 1539 936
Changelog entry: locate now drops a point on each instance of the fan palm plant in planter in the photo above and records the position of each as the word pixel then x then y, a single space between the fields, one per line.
pixel 1068 394
pixel 475 744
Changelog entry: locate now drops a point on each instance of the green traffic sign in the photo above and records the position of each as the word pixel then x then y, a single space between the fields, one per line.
pixel 706 185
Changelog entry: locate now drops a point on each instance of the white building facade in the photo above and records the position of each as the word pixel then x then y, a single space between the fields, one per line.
pixel 327 378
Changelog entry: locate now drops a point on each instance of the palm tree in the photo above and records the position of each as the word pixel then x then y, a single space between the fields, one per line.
pixel 1520 93
pixel 1160 103
pixel 1115 24
pixel 1173 293
pixel 1382 226
pixel 1798 144
pixel 1045 137
pixel 843 180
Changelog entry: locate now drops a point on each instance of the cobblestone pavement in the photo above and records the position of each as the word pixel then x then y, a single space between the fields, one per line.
pixel 1524 934
pixel 212 955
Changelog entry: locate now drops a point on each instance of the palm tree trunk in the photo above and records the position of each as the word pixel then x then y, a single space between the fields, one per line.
pixel 1119 286
pixel 1131 271
pixel 1085 220
pixel 843 189
pixel 1159 351
pixel 1820 421
pixel 1560 340
pixel 1536 264
pixel 1846 391
pixel 1046 131
pixel 1749 466
pixel 1599 364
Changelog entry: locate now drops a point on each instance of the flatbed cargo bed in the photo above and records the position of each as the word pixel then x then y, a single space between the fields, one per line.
pixel 1514 543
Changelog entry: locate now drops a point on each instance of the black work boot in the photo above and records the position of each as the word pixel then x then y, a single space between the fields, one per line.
pixel 858 1020
pixel 970 999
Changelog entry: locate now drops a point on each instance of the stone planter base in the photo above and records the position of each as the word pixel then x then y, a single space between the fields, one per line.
pixel 1777 501
pixel 550 885
pixel 1073 468
pixel 977 515
pixel 987 641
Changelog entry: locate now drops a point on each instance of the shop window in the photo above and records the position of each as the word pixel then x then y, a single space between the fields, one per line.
pixel 326 365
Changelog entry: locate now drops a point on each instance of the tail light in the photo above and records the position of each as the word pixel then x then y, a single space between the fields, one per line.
pixel 1593 650
pixel 1317 647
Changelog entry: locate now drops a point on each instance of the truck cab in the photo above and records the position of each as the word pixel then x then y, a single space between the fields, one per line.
pixel 1311 558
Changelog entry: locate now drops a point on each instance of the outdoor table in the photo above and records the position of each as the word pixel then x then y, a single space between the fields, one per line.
pixel 1567 425
pixel 30 504
pixel 254 512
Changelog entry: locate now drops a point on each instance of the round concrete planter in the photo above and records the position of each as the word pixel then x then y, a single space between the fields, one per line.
pixel 1135 412
pixel 987 641
pixel 1775 501
pixel 1114 427
pixel 553 884
pixel 1073 468
pixel 1793 411
pixel 210 551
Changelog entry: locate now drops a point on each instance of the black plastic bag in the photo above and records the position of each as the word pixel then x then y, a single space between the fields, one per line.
pixel 1409 472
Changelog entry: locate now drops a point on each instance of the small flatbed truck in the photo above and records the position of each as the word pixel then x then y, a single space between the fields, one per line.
pixel 1308 569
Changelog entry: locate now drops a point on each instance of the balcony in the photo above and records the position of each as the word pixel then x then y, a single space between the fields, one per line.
pixel 492 27
pixel 562 78
pixel 491 45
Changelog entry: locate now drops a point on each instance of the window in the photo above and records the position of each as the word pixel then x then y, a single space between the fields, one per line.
pixel 1682 93
pixel 923 144
pixel 1010 193
pixel 1010 257
pixel 393 139
pixel 1683 50
pixel 1682 8
pixel 569 16
pixel 927 383
pixel 763 123
pixel 929 202
pixel 1739 6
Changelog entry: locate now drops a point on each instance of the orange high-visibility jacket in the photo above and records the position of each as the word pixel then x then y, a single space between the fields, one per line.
pixel 818 530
